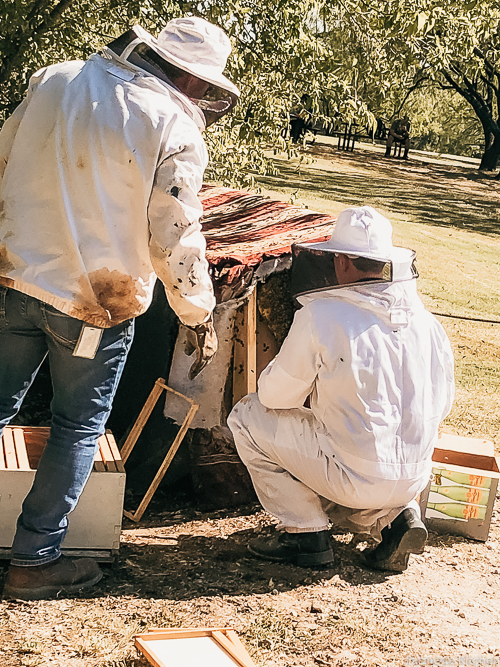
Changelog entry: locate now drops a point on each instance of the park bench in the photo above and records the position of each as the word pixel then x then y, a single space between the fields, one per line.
pixel 398 147
pixel 348 137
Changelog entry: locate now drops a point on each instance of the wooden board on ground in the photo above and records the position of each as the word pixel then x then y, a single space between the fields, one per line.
pixel 190 647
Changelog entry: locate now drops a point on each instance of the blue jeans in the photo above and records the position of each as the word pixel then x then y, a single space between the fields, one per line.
pixel 83 395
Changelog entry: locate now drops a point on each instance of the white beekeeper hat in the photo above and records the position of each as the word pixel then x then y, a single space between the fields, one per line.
pixel 197 47
pixel 191 45
pixel 364 232
pixel 359 232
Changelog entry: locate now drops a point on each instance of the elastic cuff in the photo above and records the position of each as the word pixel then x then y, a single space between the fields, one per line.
pixel 291 529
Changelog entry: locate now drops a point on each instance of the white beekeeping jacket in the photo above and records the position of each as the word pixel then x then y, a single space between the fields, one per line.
pixel 379 370
pixel 100 167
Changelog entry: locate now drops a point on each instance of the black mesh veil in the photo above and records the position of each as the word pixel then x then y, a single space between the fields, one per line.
pixel 215 103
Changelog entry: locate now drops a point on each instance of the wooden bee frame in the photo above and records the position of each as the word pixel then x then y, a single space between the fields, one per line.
pixel 135 432
pixel 222 648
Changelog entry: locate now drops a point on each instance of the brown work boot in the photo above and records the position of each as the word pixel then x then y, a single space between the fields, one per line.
pixel 64 575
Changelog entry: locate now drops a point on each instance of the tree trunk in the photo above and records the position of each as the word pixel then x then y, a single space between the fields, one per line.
pixel 490 158
pixel 483 108
pixel 491 153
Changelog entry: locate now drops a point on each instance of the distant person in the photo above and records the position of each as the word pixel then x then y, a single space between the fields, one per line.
pixel 380 130
pixel 299 126
pixel 399 131
pixel 376 369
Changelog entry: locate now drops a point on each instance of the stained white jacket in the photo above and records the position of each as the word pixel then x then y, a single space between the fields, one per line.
pixel 100 167
pixel 379 370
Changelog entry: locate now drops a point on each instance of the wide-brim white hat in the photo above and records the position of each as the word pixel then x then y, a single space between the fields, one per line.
pixel 364 232
pixel 197 47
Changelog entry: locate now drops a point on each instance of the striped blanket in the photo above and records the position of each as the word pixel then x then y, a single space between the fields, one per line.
pixel 242 228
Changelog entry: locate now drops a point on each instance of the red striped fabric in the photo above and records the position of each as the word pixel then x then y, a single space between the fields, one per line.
pixel 244 228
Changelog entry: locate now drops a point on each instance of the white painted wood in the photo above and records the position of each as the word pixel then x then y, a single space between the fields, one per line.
pixel 94 525
pixel 190 652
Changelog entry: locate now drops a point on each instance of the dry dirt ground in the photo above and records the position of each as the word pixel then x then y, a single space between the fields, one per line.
pixel 184 567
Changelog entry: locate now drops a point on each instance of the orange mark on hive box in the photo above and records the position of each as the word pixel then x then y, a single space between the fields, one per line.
pixel 474 495
pixel 471 512
pixel 476 480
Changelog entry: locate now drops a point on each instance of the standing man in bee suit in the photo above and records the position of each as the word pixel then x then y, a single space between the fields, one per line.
pixel 378 371
pixel 100 167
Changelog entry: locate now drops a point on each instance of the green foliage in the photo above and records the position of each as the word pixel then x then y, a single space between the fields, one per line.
pixel 450 43
pixel 381 70
pixel 354 59
pixel 36 33
pixel 279 55
pixel 442 121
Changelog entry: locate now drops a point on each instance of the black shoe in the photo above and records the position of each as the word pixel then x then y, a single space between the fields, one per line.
pixel 64 575
pixel 303 549
pixel 406 535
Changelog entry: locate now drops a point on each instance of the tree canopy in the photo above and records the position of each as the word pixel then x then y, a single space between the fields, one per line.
pixel 452 44
pixel 352 58
pixel 279 55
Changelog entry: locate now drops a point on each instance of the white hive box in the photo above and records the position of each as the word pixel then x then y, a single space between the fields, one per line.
pixel 95 524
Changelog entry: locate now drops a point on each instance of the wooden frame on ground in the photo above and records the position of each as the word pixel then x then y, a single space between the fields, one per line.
pixel 135 432
pixel 157 646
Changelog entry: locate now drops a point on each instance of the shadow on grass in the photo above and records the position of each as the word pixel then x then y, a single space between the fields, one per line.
pixel 199 566
pixel 426 193
pixel 194 566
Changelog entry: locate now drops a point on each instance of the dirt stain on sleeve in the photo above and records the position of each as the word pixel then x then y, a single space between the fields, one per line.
pixel 6 265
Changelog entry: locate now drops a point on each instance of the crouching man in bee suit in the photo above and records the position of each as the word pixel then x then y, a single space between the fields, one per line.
pixel 378 371
pixel 100 167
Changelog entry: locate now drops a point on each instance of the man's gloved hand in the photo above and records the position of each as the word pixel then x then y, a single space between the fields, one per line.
pixel 203 339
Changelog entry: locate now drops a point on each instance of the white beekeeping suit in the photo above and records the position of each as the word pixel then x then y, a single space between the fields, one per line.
pixel 378 371
pixel 109 193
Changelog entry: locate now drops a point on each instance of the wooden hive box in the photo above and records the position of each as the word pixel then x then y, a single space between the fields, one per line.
pixel 95 525
pixel 460 496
